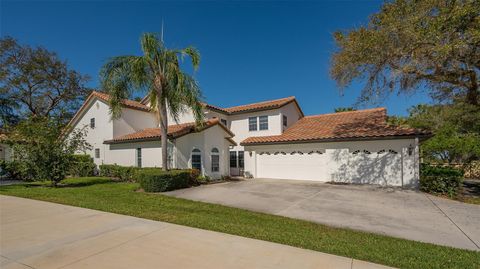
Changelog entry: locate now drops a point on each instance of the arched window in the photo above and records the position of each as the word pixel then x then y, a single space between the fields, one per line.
pixel 215 160
pixel 197 159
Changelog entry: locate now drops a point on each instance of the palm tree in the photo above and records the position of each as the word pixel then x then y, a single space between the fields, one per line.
pixel 158 72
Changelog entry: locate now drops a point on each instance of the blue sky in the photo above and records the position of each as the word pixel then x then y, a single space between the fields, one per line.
pixel 251 51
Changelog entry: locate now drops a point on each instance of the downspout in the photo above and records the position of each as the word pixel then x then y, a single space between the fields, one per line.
pixel 401 161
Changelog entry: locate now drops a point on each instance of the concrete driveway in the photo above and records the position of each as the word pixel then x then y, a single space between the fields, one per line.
pixel 395 212
pixel 35 234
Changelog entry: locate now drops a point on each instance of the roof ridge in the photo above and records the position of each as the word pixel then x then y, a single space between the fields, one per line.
pixel 108 95
pixel 347 112
pixel 261 102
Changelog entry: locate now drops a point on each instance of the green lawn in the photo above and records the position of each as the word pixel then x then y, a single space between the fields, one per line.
pixel 122 198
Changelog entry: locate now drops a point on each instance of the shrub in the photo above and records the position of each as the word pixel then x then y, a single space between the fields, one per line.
pixel 45 147
pixel 16 170
pixel 440 180
pixel 159 181
pixel 82 166
pixel 123 173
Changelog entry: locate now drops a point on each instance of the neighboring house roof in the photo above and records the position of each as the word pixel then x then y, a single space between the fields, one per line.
pixel 352 125
pixel 174 131
pixel 260 106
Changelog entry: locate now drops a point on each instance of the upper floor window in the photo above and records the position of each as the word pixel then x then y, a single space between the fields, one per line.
pixel 224 122
pixel 139 157
pixel 263 120
pixel 285 121
pixel 252 123
pixel 92 123
pixel 97 153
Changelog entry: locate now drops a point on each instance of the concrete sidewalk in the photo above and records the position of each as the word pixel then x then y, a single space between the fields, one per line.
pixel 35 234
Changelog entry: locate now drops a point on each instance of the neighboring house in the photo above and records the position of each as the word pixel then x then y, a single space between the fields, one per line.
pixel 271 139
pixel 6 151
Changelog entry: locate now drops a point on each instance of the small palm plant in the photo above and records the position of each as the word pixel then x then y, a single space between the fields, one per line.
pixel 158 72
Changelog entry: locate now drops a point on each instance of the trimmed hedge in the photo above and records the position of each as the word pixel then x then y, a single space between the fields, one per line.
pixel 131 173
pixel 440 180
pixel 83 166
pixel 122 173
pixel 160 181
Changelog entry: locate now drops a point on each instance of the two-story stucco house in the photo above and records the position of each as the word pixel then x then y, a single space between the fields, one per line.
pixel 270 139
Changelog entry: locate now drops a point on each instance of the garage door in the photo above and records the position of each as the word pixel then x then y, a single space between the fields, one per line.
pixel 292 165
pixel 350 166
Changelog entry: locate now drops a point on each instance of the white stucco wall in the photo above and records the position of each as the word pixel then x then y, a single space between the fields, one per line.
pixel 292 113
pixel 6 152
pixel 125 154
pixel 239 125
pixel 337 163
pixel 205 141
pixel 132 121
pixel 103 127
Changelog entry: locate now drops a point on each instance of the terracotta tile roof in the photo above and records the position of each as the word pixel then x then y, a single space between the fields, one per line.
pixel 128 103
pixel 265 105
pixel 261 105
pixel 353 125
pixel 174 131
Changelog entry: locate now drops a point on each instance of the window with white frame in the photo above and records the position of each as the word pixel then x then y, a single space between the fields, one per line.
pixel 92 123
pixel 285 121
pixel 197 159
pixel 215 160
pixel 263 122
pixel 252 123
pixel 139 157
pixel 97 153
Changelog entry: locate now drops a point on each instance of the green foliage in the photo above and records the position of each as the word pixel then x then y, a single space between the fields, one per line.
pixel 159 72
pixel 82 166
pixel 344 109
pixel 44 150
pixel 411 44
pixel 122 173
pixel 34 81
pixel 16 170
pixel 456 129
pixel 160 181
pixel 440 180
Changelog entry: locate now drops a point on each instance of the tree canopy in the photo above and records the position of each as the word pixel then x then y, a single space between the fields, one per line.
pixel 456 127
pixel 34 81
pixel 157 71
pixel 412 45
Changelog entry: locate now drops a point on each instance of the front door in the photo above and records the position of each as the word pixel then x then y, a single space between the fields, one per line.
pixel 236 163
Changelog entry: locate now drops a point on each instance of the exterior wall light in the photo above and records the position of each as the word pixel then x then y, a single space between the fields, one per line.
pixel 410 150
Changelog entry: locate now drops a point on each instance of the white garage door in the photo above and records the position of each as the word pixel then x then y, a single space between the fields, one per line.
pixel 350 166
pixel 292 165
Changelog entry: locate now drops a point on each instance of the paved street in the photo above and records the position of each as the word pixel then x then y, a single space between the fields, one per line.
pixel 35 234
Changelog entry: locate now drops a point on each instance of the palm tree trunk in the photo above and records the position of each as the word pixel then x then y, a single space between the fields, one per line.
pixel 162 111
pixel 164 131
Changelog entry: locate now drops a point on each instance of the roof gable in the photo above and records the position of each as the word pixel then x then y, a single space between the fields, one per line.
pixel 260 106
